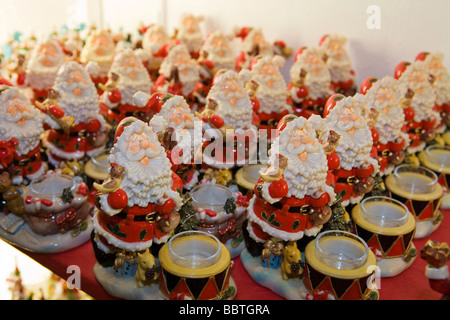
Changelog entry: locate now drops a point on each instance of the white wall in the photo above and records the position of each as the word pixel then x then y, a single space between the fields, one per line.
pixel 406 26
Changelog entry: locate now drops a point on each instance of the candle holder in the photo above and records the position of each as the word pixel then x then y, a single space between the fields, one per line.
pixel 97 168
pixel 418 189
pixel 219 213
pixel 341 265
pixel 437 159
pixel 56 217
pixel 196 265
pixel 247 177
pixel 387 226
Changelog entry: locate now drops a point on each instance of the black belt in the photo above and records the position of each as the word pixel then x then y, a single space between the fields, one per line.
pixel 150 217
pixel 349 180
pixel 303 209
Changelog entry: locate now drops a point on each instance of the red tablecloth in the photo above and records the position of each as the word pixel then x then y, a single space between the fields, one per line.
pixel 409 285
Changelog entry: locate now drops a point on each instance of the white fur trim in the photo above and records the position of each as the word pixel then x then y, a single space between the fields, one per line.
pixel 106 207
pixel 436 273
pixel 134 246
pixel 267 228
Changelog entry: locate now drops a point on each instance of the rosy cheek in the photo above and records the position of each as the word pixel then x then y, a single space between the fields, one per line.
pixel 134 148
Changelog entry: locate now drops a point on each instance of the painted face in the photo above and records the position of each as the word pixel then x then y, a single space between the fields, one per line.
pixel 349 121
pixel 77 81
pixel 178 116
pixel 16 111
pixel 102 44
pixel 141 148
pixel 300 144
pixel 48 54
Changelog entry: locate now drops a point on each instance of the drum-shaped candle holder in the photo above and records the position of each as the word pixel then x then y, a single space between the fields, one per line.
pixel 437 158
pixel 195 265
pixel 388 228
pixel 247 177
pixel 417 187
pixel 97 168
pixel 340 264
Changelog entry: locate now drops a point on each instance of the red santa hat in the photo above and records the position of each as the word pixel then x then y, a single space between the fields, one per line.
pixel 331 103
pixel 367 84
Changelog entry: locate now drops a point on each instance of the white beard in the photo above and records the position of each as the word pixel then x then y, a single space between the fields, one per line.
pixel 389 126
pixel 84 107
pixel 272 99
pixel 27 134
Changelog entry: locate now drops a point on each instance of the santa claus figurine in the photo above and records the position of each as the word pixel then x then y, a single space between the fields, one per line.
pixel 270 91
pixel 216 53
pixel 138 203
pixel 310 80
pixel 42 68
pixel 418 103
pixel 339 64
pixel 155 43
pixel 439 79
pixel 21 126
pixel 387 133
pixel 74 95
pixel 293 196
pixel 190 33
pixel 255 44
pixel 126 77
pixel 178 74
pixel 99 48
pixel 353 162
pixel 174 124
pixel 230 136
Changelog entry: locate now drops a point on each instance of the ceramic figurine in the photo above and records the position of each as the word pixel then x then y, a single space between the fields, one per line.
pixel 254 43
pixel 271 91
pixel 216 53
pixel 99 48
pixel 126 77
pixel 228 120
pixel 42 67
pixel 292 199
pixel 189 32
pixel 155 42
pixel 436 254
pixel 390 140
pixel 339 64
pixel 174 123
pixel 21 126
pixel 74 95
pixel 178 74
pixel 440 81
pixel 354 162
pixel 418 103
pixel 137 210
pixel 309 85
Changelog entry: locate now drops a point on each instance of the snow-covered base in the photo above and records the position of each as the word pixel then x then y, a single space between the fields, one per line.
pixel 395 266
pixel 235 252
pixel 292 289
pixel 25 238
pixel 126 287
pixel 425 228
